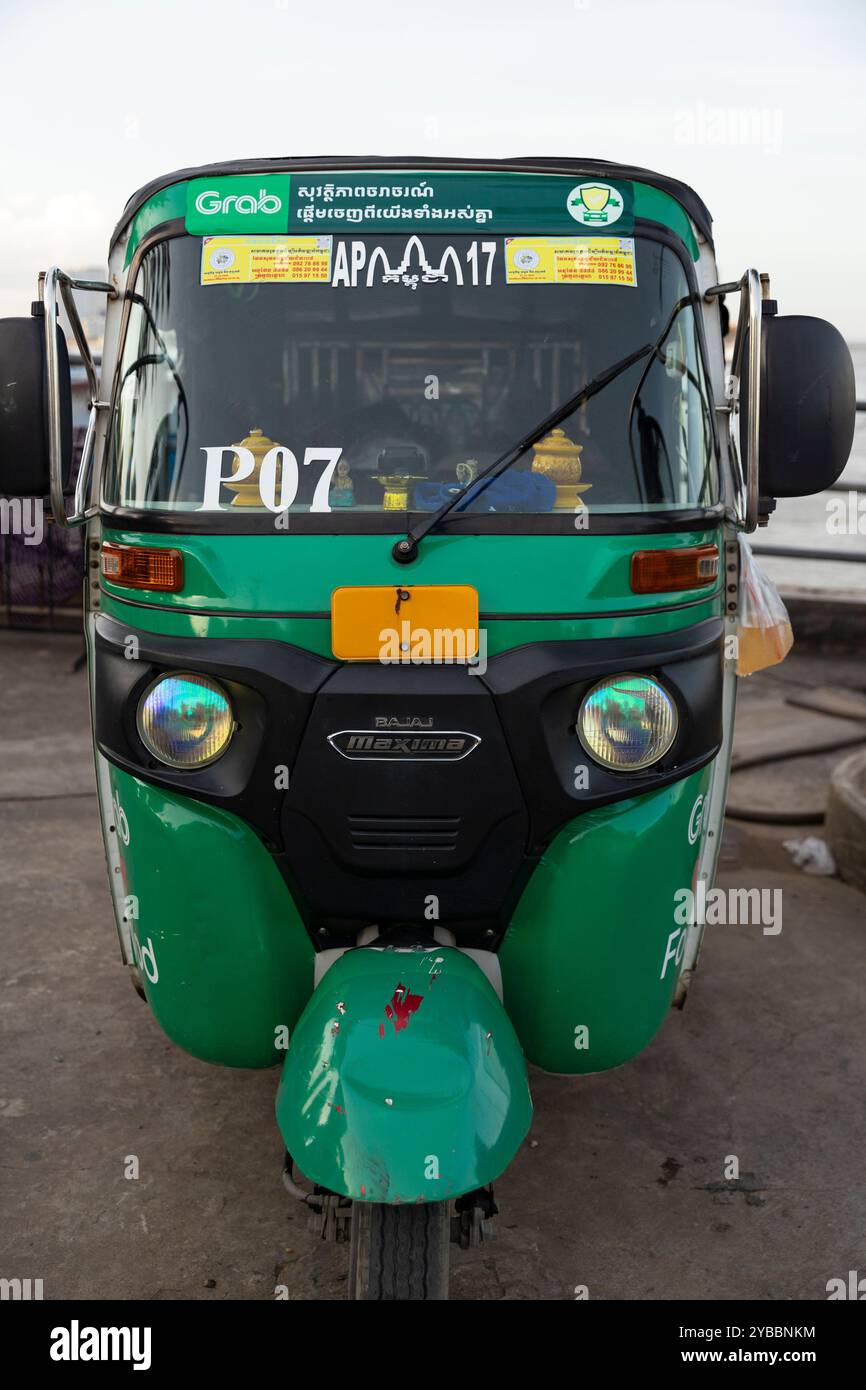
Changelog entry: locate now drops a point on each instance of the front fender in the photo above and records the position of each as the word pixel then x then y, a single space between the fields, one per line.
pixel 404 1081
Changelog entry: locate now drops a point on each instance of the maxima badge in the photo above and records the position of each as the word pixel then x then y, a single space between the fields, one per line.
pixel 373 745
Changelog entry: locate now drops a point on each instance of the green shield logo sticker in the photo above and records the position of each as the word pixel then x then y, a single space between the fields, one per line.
pixel 595 204
pixel 238 203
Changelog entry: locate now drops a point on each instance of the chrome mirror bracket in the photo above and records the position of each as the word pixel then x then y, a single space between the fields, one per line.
pixel 750 289
pixel 49 282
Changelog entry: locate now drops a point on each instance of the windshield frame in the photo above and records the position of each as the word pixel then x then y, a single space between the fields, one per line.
pixel 234 522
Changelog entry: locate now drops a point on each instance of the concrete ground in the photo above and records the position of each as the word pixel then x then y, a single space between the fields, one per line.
pixel 621 1184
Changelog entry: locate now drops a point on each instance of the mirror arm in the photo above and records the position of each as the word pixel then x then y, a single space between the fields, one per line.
pixel 753 294
pixel 751 289
pixel 48 284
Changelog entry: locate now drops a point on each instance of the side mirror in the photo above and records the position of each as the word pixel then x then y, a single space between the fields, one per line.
pixel 808 404
pixel 24 404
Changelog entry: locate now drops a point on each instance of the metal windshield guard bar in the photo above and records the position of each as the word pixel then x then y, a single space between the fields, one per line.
pixel 750 289
pixel 48 284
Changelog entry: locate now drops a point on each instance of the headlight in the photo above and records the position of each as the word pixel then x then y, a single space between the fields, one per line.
pixel 185 720
pixel 627 722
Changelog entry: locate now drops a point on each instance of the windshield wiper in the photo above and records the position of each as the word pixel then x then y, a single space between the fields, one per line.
pixel 406 550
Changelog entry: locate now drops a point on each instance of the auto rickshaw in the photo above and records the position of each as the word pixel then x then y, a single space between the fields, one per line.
pixel 412 492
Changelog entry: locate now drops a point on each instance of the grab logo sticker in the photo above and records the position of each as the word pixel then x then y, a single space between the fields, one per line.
pixel 211 204
pixel 238 203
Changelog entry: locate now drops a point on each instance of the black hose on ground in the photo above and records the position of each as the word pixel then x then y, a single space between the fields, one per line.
pixel 775 817
pixel 785 817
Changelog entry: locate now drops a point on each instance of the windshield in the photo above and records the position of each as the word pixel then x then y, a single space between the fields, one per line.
pixel 375 376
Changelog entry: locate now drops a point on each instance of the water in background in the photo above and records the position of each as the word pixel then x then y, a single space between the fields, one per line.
pixel 802 521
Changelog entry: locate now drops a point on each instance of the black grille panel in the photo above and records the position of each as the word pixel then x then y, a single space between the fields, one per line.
pixel 432 833
pixel 372 840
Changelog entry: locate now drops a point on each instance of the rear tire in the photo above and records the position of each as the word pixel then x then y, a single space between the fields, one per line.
pixel 399 1253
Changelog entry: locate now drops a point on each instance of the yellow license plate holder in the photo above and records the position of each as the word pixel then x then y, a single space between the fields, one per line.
pixel 411 622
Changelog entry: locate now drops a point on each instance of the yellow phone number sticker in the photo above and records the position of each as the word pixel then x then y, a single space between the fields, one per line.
pixel 550 260
pixel 243 260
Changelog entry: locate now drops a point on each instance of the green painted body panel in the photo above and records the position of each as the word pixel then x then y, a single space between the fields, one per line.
pixel 652 204
pixel 223 955
pixel 261 586
pixel 283 574
pixel 594 942
pixel 165 206
pixel 314 634
pixel 420 1103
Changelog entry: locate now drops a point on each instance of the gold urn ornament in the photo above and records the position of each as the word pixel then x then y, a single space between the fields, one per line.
pixel 247 489
pixel 397 486
pixel 558 458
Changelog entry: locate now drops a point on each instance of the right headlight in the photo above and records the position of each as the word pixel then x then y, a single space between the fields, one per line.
pixel 627 722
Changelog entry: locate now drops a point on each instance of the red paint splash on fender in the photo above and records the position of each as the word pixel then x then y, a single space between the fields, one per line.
pixel 402 1006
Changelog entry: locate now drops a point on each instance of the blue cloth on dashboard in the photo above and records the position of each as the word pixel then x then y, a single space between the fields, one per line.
pixel 510 492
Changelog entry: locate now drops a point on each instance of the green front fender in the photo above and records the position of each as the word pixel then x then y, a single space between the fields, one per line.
pixel 404 1080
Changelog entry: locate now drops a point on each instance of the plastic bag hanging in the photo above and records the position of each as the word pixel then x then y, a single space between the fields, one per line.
pixel 764 635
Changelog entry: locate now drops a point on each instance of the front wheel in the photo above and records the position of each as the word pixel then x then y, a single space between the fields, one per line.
pixel 399 1253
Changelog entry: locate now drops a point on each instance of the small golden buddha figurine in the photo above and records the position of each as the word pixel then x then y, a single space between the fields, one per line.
pixel 247 489
pixel 558 458
pixel 342 493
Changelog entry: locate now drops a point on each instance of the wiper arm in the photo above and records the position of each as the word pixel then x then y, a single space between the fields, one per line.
pixel 406 550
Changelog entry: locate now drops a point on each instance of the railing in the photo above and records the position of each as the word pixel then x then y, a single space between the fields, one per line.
pixel 793 552
pixel 790 552
pixel 40 585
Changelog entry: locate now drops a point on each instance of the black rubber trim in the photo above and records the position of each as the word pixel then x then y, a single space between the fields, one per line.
pixel 595 168
pixel 380 524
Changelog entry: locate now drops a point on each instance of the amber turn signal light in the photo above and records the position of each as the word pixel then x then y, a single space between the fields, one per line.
pixel 140 567
pixel 662 571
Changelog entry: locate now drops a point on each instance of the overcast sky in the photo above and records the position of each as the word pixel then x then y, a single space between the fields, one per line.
pixel 759 105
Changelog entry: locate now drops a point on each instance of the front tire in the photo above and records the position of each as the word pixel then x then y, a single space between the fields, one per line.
pixel 399 1253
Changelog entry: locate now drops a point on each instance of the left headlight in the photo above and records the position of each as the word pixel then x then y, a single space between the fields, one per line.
pixel 627 722
pixel 185 720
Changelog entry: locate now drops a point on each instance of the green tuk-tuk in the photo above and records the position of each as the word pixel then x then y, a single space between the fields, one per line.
pixel 412 493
